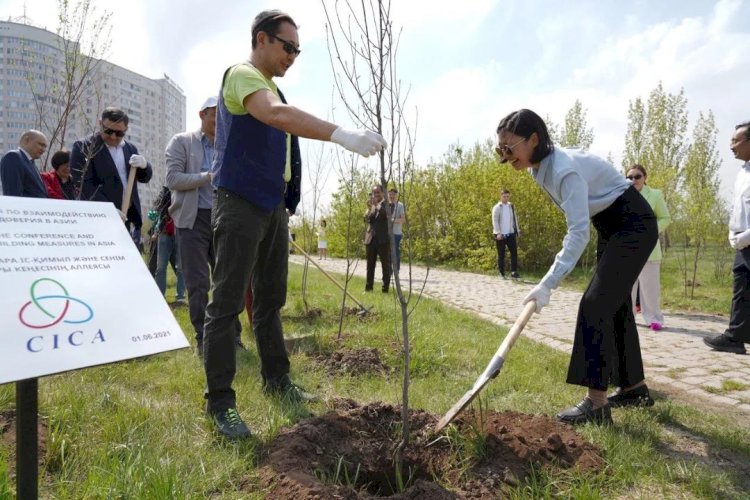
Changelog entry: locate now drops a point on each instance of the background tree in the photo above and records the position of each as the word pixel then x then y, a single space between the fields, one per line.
pixel 574 133
pixel 635 137
pixel 702 203
pixel 665 142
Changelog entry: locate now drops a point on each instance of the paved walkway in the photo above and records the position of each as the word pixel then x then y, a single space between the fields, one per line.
pixel 676 359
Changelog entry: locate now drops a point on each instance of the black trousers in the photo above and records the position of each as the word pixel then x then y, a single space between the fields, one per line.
pixel 248 243
pixel 739 319
pixel 373 251
pixel 606 349
pixel 511 243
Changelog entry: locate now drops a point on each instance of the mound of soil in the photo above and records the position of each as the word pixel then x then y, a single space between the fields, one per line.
pixel 348 453
pixel 353 362
pixel 8 438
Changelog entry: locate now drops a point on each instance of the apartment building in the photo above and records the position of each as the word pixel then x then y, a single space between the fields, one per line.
pixel 32 74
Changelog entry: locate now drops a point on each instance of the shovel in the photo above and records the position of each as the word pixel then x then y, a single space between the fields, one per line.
pixel 493 368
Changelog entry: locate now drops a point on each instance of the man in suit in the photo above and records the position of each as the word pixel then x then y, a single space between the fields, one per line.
pixel 189 159
pixel 101 163
pixel 18 173
pixel 378 245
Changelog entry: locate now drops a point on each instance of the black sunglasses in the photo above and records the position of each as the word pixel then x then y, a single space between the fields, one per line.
pixel 118 133
pixel 288 47
pixel 634 177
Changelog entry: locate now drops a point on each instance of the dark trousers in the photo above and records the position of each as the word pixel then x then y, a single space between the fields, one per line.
pixel 374 251
pixel 248 243
pixel 197 259
pixel 606 347
pixel 398 238
pixel 510 242
pixel 739 319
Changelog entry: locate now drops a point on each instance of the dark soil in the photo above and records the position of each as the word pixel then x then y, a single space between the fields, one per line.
pixel 348 453
pixel 8 438
pixel 353 362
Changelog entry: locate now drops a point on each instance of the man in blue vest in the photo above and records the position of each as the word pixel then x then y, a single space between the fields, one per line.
pixel 256 173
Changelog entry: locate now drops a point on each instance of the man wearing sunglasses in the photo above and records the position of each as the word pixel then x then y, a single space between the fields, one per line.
pixel 737 333
pixel 256 173
pixel 100 165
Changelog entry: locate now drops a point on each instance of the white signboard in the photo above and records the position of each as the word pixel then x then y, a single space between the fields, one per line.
pixel 74 291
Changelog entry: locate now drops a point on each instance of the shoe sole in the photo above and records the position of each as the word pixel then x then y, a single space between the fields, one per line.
pixel 735 350
pixel 642 401
pixel 597 421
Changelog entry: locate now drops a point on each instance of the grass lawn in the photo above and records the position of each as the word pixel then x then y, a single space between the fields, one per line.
pixel 137 429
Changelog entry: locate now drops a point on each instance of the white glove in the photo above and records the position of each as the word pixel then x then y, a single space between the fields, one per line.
pixel 732 239
pixel 363 142
pixel 138 161
pixel 540 294
pixel 741 240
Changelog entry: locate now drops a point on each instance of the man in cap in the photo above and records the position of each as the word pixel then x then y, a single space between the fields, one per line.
pixel 257 173
pixel 189 157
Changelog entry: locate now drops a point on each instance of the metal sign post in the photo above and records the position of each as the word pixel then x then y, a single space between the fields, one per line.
pixel 27 439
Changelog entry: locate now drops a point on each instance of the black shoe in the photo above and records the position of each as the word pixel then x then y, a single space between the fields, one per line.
pixel 725 344
pixel 502 275
pixel 584 412
pixel 515 275
pixel 230 425
pixel 199 350
pixel 385 289
pixel 368 289
pixel 287 390
pixel 635 397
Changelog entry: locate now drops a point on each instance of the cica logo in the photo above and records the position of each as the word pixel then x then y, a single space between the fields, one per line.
pixel 51 305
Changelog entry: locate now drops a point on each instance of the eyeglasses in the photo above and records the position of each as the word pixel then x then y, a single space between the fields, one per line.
pixel 507 150
pixel 634 177
pixel 109 131
pixel 288 47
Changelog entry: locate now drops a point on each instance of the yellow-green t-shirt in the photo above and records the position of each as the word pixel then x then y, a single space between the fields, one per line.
pixel 242 81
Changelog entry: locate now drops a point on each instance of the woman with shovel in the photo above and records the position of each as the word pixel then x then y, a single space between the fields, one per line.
pixel 585 187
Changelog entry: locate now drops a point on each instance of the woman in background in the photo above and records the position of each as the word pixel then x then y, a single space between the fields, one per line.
pixel 648 280
pixel 322 241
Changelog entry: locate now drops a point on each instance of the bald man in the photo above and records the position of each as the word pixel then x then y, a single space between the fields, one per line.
pixel 18 171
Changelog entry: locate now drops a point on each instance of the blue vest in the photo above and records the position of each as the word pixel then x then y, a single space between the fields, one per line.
pixel 250 159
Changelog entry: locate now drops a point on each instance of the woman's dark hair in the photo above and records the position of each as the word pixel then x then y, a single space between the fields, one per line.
pixel 59 159
pixel 524 123
pixel 640 168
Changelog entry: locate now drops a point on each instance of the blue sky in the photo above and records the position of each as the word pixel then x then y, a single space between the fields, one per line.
pixel 468 62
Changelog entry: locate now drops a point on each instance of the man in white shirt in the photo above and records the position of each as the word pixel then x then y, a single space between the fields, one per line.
pixel 737 333
pixel 505 230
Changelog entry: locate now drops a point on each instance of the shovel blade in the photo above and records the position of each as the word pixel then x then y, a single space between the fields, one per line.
pixel 492 369
pixel 461 404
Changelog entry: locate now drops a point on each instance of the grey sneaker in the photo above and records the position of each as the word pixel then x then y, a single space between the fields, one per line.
pixel 287 390
pixel 230 425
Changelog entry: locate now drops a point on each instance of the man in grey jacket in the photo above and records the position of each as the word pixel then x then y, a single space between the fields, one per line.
pixel 189 158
